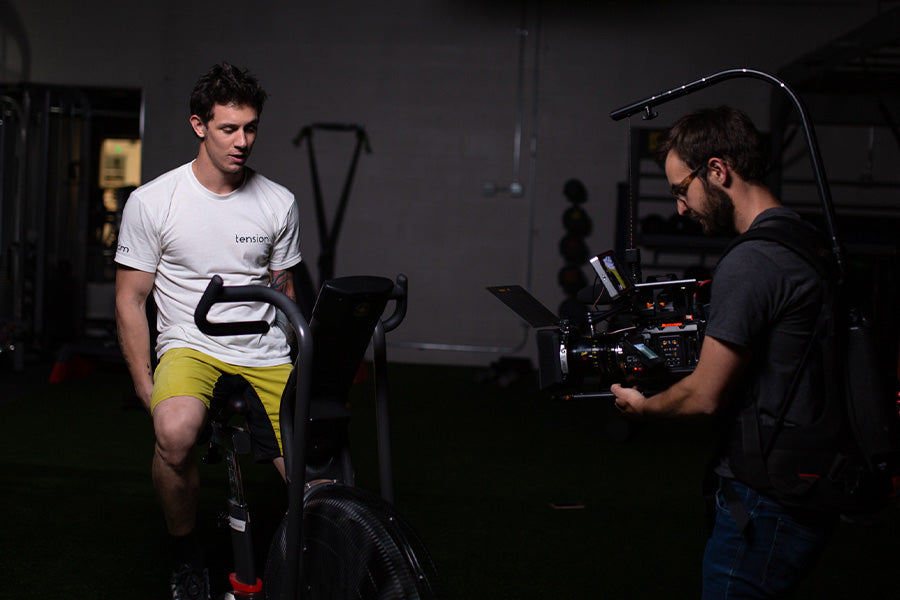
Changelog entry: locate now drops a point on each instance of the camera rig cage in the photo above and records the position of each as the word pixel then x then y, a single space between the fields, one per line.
pixel 636 333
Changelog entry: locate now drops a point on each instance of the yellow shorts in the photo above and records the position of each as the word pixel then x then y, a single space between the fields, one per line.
pixel 189 372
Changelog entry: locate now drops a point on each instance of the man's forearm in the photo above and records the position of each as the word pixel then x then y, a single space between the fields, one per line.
pixel 702 392
pixel 680 400
pixel 134 341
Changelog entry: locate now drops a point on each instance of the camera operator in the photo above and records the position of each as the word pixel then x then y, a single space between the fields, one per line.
pixel 763 311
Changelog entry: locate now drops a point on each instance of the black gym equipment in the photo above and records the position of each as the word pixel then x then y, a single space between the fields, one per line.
pixel 336 540
pixel 328 236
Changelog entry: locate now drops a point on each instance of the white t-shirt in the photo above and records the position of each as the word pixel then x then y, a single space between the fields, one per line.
pixel 184 233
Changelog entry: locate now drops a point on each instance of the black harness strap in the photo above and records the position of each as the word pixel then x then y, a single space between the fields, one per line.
pixel 804 241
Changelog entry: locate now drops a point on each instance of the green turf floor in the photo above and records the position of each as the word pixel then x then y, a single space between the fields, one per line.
pixel 477 467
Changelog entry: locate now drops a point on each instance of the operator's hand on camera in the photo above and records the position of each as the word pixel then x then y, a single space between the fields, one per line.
pixel 629 401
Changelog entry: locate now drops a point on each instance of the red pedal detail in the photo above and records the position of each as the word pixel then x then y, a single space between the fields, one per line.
pixel 238 586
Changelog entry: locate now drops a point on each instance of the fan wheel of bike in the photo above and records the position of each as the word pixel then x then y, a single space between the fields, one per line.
pixel 356 547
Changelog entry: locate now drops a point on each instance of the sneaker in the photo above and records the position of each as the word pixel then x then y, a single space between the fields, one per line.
pixel 190 583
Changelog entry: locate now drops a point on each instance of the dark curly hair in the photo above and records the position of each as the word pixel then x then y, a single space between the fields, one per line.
pixel 722 132
pixel 226 84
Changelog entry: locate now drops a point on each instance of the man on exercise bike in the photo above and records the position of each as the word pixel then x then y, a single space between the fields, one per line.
pixel 211 216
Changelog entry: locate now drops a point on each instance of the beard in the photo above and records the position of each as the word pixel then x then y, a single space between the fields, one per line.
pixel 718 217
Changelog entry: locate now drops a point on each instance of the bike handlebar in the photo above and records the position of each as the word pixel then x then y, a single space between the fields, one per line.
pixel 217 292
pixel 399 294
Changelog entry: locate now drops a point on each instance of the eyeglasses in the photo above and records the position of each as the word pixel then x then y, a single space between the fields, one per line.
pixel 680 190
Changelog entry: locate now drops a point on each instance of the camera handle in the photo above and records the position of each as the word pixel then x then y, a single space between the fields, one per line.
pixel 633 260
pixel 645 106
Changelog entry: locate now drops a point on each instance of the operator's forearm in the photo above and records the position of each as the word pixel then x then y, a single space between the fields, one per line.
pixel 703 392
pixel 707 388
pixel 684 398
pixel 134 341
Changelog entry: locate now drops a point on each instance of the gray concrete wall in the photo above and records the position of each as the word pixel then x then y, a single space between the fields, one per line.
pixel 435 83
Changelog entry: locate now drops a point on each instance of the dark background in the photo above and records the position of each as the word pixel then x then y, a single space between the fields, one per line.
pixel 477 466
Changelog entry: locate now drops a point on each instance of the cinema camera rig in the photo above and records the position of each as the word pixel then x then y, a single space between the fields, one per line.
pixel 640 334
pixel 648 334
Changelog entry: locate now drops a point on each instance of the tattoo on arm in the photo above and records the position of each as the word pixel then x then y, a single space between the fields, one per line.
pixel 279 280
pixel 283 281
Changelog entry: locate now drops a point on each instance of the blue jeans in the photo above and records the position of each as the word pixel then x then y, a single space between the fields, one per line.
pixel 777 549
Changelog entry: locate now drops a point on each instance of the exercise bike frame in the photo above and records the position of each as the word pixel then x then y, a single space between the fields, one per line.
pixel 294 420
pixel 234 441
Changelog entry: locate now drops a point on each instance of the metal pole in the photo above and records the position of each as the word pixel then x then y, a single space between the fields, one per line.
pixel 382 416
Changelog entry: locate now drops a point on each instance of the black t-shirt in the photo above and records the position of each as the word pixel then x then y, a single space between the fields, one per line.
pixel 767 299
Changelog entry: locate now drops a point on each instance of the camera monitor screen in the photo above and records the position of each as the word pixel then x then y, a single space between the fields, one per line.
pixel 613 275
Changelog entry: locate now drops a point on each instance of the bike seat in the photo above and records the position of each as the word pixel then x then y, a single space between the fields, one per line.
pixel 231 396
